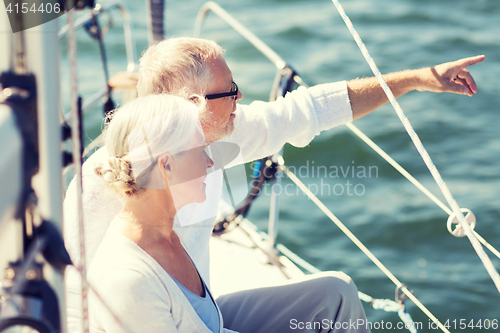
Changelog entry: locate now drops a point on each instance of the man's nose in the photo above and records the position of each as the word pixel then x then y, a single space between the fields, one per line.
pixel 239 96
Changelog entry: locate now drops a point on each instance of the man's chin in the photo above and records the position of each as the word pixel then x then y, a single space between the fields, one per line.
pixel 221 133
pixel 230 129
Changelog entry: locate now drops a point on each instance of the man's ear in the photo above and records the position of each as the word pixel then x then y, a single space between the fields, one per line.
pixel 196 99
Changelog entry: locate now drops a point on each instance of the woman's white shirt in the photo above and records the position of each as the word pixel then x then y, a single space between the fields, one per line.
pixel 138 291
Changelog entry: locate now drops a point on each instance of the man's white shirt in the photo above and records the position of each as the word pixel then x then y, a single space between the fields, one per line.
pixel 261 129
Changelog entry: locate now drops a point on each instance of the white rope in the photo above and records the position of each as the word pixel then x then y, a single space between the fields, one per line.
pixel 488 245
pixel 102 300
pixel 408 320
pixel 412 180
pixel 398 167
pixel 361 246
pixel 423 152
pixel 77 163
pixel 77 159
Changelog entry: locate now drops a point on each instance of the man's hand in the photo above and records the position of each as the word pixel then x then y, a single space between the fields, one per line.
pixel 366 94
pixel 451 77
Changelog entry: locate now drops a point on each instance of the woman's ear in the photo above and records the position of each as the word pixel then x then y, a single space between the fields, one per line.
pixel 165 162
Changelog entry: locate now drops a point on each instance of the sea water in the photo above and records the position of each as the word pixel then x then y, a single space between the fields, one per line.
pixel 400 225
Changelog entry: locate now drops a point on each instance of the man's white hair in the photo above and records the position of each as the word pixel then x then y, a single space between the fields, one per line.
pixel 177 66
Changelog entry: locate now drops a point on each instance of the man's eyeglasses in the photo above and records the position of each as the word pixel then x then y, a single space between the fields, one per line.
pixel 233 93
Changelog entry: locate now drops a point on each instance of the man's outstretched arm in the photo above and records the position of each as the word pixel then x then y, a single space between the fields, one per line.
pixel 366 94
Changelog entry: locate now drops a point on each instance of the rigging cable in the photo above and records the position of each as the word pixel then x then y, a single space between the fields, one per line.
pixel 103 301
pixel 423 152
pixel 97 33
pixel 412 180
pixel 76 110
pixel 406 174
pixel 361 246
pixel 77 160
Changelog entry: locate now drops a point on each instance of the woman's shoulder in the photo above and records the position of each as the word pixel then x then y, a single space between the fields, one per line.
pixel 119 258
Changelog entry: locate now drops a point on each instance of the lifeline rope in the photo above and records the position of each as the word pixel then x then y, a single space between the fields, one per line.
pixel 361 246
pixel 423 152
pixel 77 162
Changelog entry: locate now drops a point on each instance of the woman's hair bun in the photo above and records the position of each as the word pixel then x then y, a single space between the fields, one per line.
pixel 117 173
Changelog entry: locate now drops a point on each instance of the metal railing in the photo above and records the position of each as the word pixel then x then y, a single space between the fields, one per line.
pixel 281 86
pixel 130 46
pixel 239 28
pixel 127 29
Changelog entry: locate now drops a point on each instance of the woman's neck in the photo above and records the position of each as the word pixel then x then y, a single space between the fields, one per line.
pixel 148 221
pixel 149 217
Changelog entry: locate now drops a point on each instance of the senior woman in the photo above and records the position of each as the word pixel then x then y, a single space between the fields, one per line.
pixel 142 271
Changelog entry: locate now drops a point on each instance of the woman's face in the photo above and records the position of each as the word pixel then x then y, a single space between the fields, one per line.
pixel 187 173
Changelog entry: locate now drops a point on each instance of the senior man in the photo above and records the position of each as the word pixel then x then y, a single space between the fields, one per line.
pixel 191 68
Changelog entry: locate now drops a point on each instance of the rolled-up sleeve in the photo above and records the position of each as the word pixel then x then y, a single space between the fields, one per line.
pixel 261 128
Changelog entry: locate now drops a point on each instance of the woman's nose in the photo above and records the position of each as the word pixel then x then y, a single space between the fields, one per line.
pixel 210 163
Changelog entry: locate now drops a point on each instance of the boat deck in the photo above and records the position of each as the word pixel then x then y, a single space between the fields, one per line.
pixel 238 261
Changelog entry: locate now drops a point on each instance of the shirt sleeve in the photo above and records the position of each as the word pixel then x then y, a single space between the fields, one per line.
pixel 261 129
pixel 130 298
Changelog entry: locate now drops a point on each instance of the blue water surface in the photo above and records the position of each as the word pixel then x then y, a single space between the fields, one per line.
pixel 400 225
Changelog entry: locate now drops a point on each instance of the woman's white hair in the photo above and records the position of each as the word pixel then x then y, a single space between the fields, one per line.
pixel 142 130
pixel 177 66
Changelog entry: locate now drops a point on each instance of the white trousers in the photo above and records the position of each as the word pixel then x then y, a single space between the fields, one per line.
pixel 323 302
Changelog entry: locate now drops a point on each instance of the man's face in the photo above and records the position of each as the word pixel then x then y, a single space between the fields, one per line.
pixel 218 121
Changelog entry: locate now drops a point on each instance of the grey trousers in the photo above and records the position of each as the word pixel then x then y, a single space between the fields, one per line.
pixel 323 302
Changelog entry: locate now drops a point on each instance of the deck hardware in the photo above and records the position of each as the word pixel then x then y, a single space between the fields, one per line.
pixel 458 231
